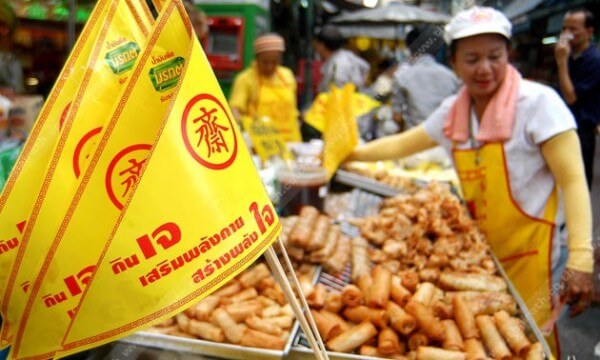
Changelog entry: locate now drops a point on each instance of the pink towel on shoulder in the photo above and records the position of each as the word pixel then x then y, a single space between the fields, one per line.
pixel 498 117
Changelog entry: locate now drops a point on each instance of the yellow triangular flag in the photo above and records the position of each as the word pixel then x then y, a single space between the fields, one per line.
pixel 266 140
pixel 341 132
pixel 116 49
pixel 26 178
pixel 105 187
pixel 191 225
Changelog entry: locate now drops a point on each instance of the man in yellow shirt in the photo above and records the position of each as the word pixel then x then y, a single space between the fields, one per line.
pixel 267 89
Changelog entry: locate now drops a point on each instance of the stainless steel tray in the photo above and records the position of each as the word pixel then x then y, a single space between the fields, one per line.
pixel 365 183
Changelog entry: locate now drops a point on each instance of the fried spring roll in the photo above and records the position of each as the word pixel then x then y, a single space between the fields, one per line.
pixel 361 313
pixel 410 279
pixel 333 302
pixel 341 256
pixel 399 293
pixel 335 318
pixel 233 331
pixel 431 326
pixel 246 294
pixel 474 350
pixel 388 342
pixel 318 237
pixel 265 301
pixel 536 352
pixel 316 299
pixel 442 310
pixel 166 323
pixel 327 329
pixel 465 320
pixel 163 329
pixel 275 293
pixel 202 310
pixel 491 338
pixel 283 321
pixel 424 293
pixel 254 338
pixel 206 331
pixel 265 283
pixel 240 311
pixel 468 281
pixel 512 333
pixel 300 235
pixel 259 324
pixel 486 302
pixel 380 290
pixel 182 321
pixel 364 283
pixel 233 287
pixel 400 320
pixel 353 338
pixel 252 277
pixel 351 296
pixel 327 250
pixel 360 258
pixel 273 310
pixel 417 340
pixel 432 353
pixel 395 249
pixel 452 338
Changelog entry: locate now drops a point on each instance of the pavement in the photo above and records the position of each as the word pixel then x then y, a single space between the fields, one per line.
pixel 579 335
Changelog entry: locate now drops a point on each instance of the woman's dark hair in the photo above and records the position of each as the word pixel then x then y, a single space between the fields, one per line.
pixel 331 37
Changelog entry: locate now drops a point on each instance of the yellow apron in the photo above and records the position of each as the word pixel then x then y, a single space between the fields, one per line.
pixel 278 103
pixel 522 243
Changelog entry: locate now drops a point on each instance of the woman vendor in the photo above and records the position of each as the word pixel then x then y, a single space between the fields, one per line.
pixel 514 144
pixel 267 89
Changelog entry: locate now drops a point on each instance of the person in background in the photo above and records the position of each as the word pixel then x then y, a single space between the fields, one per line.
pixel 578 62
pixel 198 19
pixel 340 66
pixel 511 140
pixel 268 89
pixel 11 71
pixel 420 87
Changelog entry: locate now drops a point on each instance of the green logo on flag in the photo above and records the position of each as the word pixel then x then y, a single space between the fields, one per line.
pixel 166 75
pixel 122 58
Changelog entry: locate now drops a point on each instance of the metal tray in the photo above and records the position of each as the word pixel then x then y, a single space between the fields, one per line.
pixel 365 183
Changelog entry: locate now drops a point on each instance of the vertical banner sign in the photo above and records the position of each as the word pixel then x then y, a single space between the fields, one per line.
pixel 105 187
pixel 117 47
pixel 190 226
pixel 27 176
pixel 341 132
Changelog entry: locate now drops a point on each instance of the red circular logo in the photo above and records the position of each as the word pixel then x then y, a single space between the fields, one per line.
pixel 84 150
pixel 124 172
pixel 208 132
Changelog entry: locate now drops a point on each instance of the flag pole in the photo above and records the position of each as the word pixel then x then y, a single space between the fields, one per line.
pixel 311 330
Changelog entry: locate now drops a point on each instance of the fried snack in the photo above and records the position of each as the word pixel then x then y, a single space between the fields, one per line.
pixel 202 310
pixel 251 277
pixel 351 296
pixel 465 320
pixel 271 311
pixel 491 338
pixel 437 261
pixel 166 330
pixel 265 284
pixel 364 283
pixel 206 331
pixel 335 318
pixel 275 293
pixel 233 287
pixel 467 281
pixel 327 329
pixel 452 338
pixel 337 263
pixel 429 274
pixel 536 352
pixel 417 340
pixel 388 342
pixel 233 331
pixel 318 237
pixel 283 321
pixel 166 323
pixel 333 302
pixel 424 293
pixel 316 299
pixel 395 249
pixel 330 244
pixel 183 322
pixel 259 324
pixel 428 323
pixel 512 333
pixel 353 338
pixel 256 338
pixel 486 302
pixel 474 350
pixel 360 258
pixel 433 353
pixel 246 294
pixel 410 280
pixel 380 290
pixel 400 320
pixel 399 293
pixel 442 310
pixel 361 313
pixel 300 235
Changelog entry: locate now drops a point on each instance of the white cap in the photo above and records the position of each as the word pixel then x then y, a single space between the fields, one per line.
pixel 477 20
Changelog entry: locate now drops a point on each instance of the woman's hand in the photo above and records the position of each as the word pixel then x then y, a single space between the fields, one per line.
pixel 576 290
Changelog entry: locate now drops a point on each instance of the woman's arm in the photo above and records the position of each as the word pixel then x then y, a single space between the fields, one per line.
pixel 564 160
pixel 395 146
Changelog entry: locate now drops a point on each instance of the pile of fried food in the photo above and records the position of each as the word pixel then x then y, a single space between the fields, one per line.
pixel 250 310
pixel 382 175
pixel 423 286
